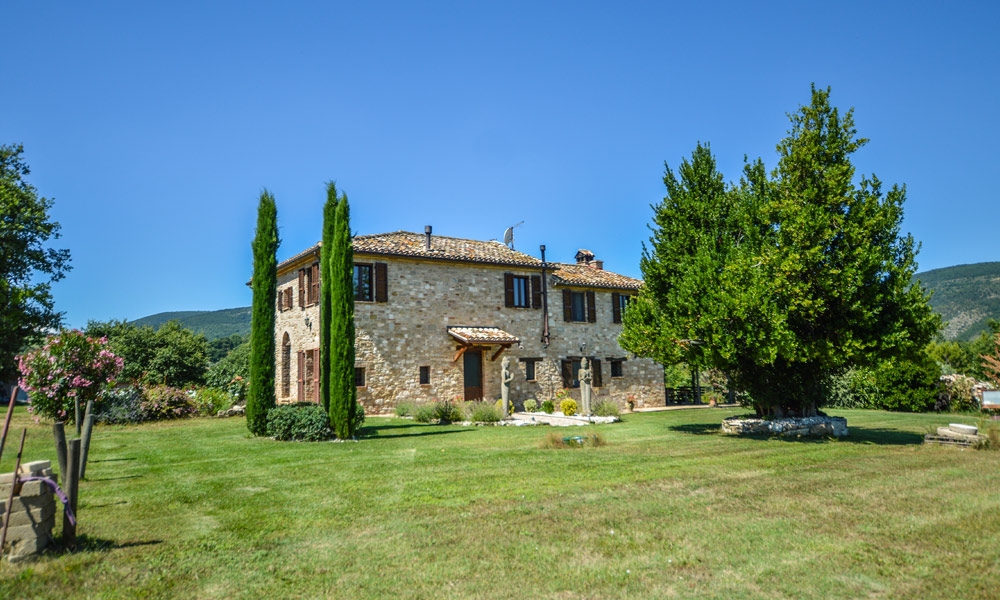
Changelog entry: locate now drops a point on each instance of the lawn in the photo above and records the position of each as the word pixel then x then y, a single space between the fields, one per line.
pixel 667 508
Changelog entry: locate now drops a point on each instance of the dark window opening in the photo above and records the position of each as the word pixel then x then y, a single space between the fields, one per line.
pixel 359 376
pixel 616 367
pixel 425 375
pixel 363 283
pixel 577 307
pixel 529 368
pixel 521 297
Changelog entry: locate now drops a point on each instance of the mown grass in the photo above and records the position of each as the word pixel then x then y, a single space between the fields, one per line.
pixel 666 508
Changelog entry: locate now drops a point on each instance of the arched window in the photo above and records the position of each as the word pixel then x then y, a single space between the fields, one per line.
pixel 286 366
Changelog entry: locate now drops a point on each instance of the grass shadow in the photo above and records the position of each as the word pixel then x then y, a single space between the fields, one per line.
pixel 382 436
pixel 698 428
pixel 113 478
pixel 103 460
pixel 856 435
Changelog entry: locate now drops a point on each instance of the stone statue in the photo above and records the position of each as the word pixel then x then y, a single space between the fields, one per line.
pixel 505 378
pixel 585 376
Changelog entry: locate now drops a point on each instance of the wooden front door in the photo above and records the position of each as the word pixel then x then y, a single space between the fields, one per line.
pixel 473 367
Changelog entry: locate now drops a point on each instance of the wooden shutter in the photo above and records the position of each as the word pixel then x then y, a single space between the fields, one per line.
pixel 302 287
pixel 567 305
pixel 595 366
pixel 316 370
pixel 616 307
pixel 508 290
pixel 301 391
pixel 567 373
pixel 536 291
pixel 288 298
pixel 281 301
pixel 381 283
pixel 591 307
pixel 314 285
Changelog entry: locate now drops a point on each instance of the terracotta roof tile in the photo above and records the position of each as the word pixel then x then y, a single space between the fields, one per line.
pixel 584 276
pixel 482 335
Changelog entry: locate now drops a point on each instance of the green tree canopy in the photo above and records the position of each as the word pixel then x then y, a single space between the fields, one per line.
pixel 27 266
pixel 781 281
pixel 171 355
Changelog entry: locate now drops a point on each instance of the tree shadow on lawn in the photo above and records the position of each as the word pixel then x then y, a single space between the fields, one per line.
pixel 856 435
pixel 86 543
pixel 376 432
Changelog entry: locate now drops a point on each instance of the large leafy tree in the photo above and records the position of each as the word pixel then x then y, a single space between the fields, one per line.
pixel 27 266
pixel 782 281
pixel 171 355
pixel 260 396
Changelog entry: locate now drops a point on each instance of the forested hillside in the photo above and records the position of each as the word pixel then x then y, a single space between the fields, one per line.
pixel 214 324
pixel 966 296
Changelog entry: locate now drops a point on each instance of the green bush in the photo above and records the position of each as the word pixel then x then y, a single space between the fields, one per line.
pixel 908 385
pixel 484 412
pixel 122 406
pixel 447 411
pixel 568 407
pixel 856 388
pixel 209 401
pixel 548 407
pixel 164 402
pixel 405 409
pixel 425 413
pixel 530 405
pixel 606 408
pixel 306 422
pixel 235 364
pixel 510 407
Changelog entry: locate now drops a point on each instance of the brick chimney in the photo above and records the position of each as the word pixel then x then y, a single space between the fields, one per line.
pixel 586 258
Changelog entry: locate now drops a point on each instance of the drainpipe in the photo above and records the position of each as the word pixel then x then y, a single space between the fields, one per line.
pixel 427 232
pixel 545 302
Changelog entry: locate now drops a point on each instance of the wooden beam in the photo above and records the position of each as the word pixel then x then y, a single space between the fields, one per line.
pixel 460 353
pixel 499 352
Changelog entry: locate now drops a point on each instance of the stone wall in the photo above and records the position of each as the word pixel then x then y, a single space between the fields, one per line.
pixel 33 512
pixel 394 339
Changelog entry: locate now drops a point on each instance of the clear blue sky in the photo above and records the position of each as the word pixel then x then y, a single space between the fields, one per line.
pixel 154 128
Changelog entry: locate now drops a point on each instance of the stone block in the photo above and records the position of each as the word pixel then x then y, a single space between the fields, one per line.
pixel 30 517
pixel 963 429
pixel 20 549
pixel 31 530
pixel 30 488
pixel 23 503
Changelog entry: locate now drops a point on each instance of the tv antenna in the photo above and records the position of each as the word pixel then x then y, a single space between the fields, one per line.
pixel 508 235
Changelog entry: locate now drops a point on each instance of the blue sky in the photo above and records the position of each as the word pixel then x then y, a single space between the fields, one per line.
pixel 154 126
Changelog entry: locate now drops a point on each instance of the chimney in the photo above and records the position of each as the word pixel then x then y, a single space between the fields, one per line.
pixel 583 257
pixel 597 264
pixel 427 232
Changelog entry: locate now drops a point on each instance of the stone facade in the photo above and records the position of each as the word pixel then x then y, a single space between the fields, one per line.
pixel 408 332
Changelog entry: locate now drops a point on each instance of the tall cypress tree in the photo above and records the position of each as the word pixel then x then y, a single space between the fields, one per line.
pixel 326 279
pixel 260 397
pixel 345 414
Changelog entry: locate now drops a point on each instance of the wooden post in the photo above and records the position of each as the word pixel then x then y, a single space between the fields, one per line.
pixel 6 420
pixel 88 428
pixel 13 490
pixel 72 485
pixel 76 416
pixel 59 431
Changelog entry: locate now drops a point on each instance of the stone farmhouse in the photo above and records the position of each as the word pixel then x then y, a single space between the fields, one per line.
pixel 434 315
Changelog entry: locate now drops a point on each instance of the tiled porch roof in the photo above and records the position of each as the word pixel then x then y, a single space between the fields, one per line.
pixel 585 276
pixel 482 335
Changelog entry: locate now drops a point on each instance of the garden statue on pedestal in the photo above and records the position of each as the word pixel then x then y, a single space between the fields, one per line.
pixel 585 376
pixel 505 378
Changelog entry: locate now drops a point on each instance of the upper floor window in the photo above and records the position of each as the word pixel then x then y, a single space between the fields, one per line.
pixel 618 304
pixel 363 288
pixel 522 291
pixel 309 285
pixel 579 306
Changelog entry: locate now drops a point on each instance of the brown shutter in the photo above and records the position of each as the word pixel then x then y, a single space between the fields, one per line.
pixel 314 285
pixel 508 290
pixel 302 288
pixel 567 373
pixel 288 298
pixel 567 305
pixel 381 283
pixel 591 307
pixel 281 301
pixel 595 366
pixel 616 307
pixel 536 291
pixel 301 391
pixel 316 370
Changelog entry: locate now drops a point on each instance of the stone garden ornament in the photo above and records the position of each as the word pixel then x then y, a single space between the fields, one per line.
pixel 585 376
pixel 505 378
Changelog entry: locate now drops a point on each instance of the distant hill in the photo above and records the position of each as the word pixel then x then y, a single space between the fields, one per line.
pixel 966 296
pixel 213 323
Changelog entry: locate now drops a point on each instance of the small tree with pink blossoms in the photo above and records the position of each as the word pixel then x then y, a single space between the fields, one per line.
pixel 70 369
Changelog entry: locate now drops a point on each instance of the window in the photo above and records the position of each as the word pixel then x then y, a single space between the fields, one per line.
pixel 363 283
pixel 618 304
pixel 359 376
pixel 579 307
pixel 529 368
pixel 521 291
pixel 425 375
pixel 308 379
pixel 616 366
pixel 309 285
pixel 286 365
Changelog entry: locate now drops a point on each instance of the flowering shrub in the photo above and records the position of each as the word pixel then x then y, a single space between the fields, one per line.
pixel 568 407
pixel 530 405
pixel 209 401
pixel 165 402
pixel 71 367
pixel 510 407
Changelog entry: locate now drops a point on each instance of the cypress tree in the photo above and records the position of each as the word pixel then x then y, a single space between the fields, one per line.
pixel 326 279
pixel 260 397
pixel 345 414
